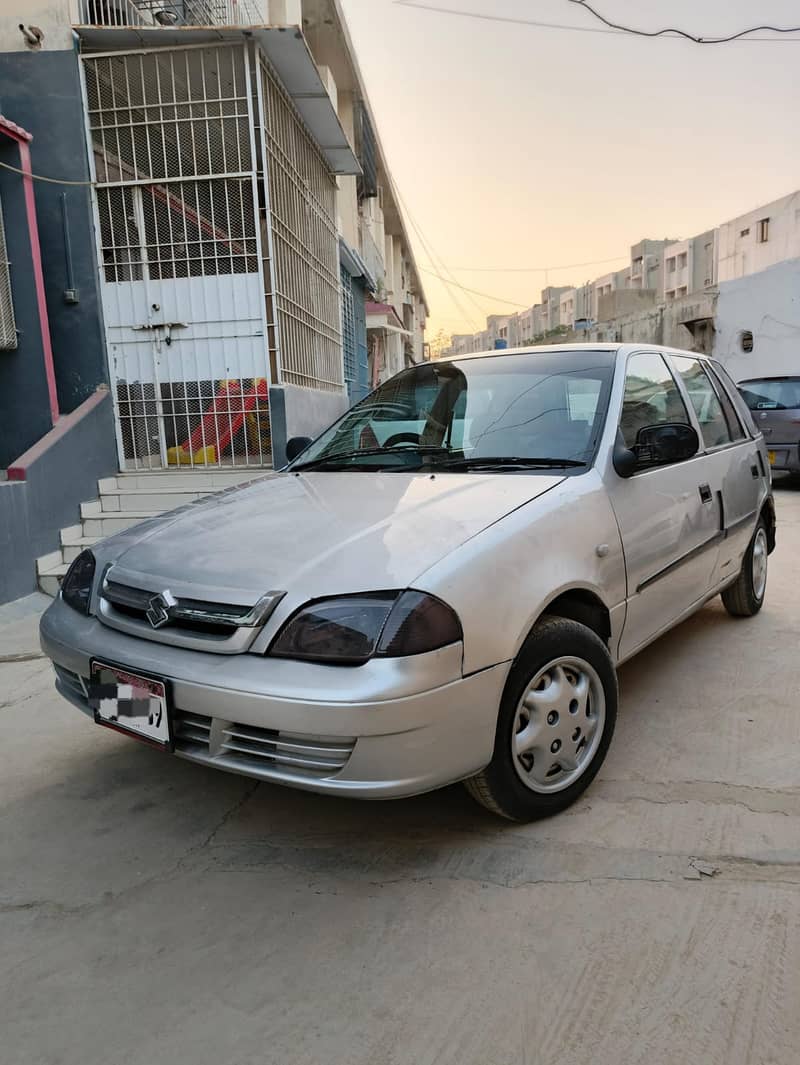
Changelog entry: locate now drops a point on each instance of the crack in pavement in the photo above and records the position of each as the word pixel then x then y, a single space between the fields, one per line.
pixel 110 897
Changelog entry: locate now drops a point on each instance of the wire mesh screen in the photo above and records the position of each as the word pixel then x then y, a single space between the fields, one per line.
pixel 8 325
pixel 200 227
pixel 302 202
pixel 220 422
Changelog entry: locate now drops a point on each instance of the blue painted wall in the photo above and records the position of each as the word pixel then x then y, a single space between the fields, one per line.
pixel 41 92
pixel 24 401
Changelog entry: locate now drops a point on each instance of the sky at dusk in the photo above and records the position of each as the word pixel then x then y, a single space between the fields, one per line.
pixel 517 146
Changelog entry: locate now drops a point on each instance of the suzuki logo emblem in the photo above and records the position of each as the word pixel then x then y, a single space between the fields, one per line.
pixel 159 607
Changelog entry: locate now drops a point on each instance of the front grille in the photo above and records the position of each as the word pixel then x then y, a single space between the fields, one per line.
pixel 247 747
pixel 71 682
pixel 210 619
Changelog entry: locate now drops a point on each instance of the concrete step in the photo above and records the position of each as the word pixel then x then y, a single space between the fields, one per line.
pixel 73 534
pixel 50 579
pixel 193 480
pixel 101 525
pixel 47 562
pixel 70 552
pixel 156 500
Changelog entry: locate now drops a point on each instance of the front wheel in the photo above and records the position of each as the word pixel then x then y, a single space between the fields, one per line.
pixel 745 596
pixel 555 723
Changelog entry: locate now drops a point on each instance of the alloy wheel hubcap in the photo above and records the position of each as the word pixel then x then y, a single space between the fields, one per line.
pixel 558 725
pixel 759 565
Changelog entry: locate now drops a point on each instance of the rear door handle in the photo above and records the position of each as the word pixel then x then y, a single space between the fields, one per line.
pixel 705 493
pixel 754 470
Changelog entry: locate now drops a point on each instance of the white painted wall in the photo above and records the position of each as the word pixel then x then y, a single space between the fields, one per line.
pixel 53 17
pixel 740 250
pixel 768 305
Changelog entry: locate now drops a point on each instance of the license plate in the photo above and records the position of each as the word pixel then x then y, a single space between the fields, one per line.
pixel 771 457
pixel 130 703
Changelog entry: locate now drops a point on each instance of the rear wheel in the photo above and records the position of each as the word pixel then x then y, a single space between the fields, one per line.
pixel 555 723
pixel 745 597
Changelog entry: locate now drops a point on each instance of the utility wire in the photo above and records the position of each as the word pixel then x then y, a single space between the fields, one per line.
pixel 39 177
pixel 436 259
pixel 534 269
pixel 475 292
pixel 672 32
pixel 419 5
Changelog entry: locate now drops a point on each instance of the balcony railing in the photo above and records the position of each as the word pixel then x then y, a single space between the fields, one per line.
pixel 171 13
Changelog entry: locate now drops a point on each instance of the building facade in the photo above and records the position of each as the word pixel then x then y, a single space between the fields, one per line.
pixel 234 221
pixel 760 238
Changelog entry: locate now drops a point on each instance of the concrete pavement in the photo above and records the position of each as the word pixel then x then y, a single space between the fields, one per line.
pixel 154 912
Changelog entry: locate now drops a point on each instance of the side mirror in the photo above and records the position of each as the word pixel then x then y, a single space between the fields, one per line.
pixel 656 445
pixel 296 446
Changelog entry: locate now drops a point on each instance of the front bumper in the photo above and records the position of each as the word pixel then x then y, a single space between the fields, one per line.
pixel 391 728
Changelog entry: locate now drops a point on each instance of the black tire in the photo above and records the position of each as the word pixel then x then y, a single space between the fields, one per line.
pixel 499 787
pixel 741 598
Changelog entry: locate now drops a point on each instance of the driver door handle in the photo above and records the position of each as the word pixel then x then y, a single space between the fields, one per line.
pixel 705 493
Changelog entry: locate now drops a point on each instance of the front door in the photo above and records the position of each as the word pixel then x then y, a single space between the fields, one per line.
pixel 172 147
pixel 668 516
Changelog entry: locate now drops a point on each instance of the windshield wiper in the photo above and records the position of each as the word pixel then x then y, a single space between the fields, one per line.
pixel 365 452
pixel 508 462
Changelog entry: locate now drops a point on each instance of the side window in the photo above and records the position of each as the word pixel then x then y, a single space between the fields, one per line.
pixel 651 397
pixel 737 399
pixel 731 415
pixel 707 406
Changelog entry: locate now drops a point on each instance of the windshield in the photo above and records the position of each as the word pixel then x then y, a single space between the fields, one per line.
pixel 776 393
pixel 510 411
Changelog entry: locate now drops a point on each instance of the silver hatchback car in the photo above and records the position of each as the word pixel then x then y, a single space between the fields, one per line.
pixel 439 587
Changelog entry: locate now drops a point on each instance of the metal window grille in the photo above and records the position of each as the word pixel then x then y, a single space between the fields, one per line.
pixel 8 325
pixel 169 13
pixel 349 346
pixel 169 116
pixel 305 302
pixel 367 184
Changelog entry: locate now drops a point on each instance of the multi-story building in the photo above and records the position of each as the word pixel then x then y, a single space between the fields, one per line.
pixel 235 224
pixel 760 238
pixel 551 307
pixel 576 307
pixel 647 264
pixel 689 266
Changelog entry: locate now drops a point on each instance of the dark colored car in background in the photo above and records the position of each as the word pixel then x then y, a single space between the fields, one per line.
pixel 774 403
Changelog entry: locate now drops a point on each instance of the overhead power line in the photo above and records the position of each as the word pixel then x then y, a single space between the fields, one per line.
pixel 618 31
pixel 672 32
pixel 535 269
pixel 474 291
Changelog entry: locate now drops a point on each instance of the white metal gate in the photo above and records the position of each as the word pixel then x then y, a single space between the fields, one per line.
pixel 174 154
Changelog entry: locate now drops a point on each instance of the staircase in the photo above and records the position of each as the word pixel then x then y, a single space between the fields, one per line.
pixel 125 500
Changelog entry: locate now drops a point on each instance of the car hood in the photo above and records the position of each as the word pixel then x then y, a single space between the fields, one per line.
pixel 318 533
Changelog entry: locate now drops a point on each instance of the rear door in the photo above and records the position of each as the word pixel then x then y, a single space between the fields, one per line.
pixel 667 517
pixel 736 475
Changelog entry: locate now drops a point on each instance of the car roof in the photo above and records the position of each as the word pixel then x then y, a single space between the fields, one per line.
pixel 547 349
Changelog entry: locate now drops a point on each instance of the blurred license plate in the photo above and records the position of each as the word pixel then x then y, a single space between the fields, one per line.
pixel 130 703
pixel 771 457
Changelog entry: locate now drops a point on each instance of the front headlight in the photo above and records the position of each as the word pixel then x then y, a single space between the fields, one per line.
pixel 76 588
pixel 352 629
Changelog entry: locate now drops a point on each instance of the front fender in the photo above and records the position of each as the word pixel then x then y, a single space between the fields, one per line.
pixel 501 580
